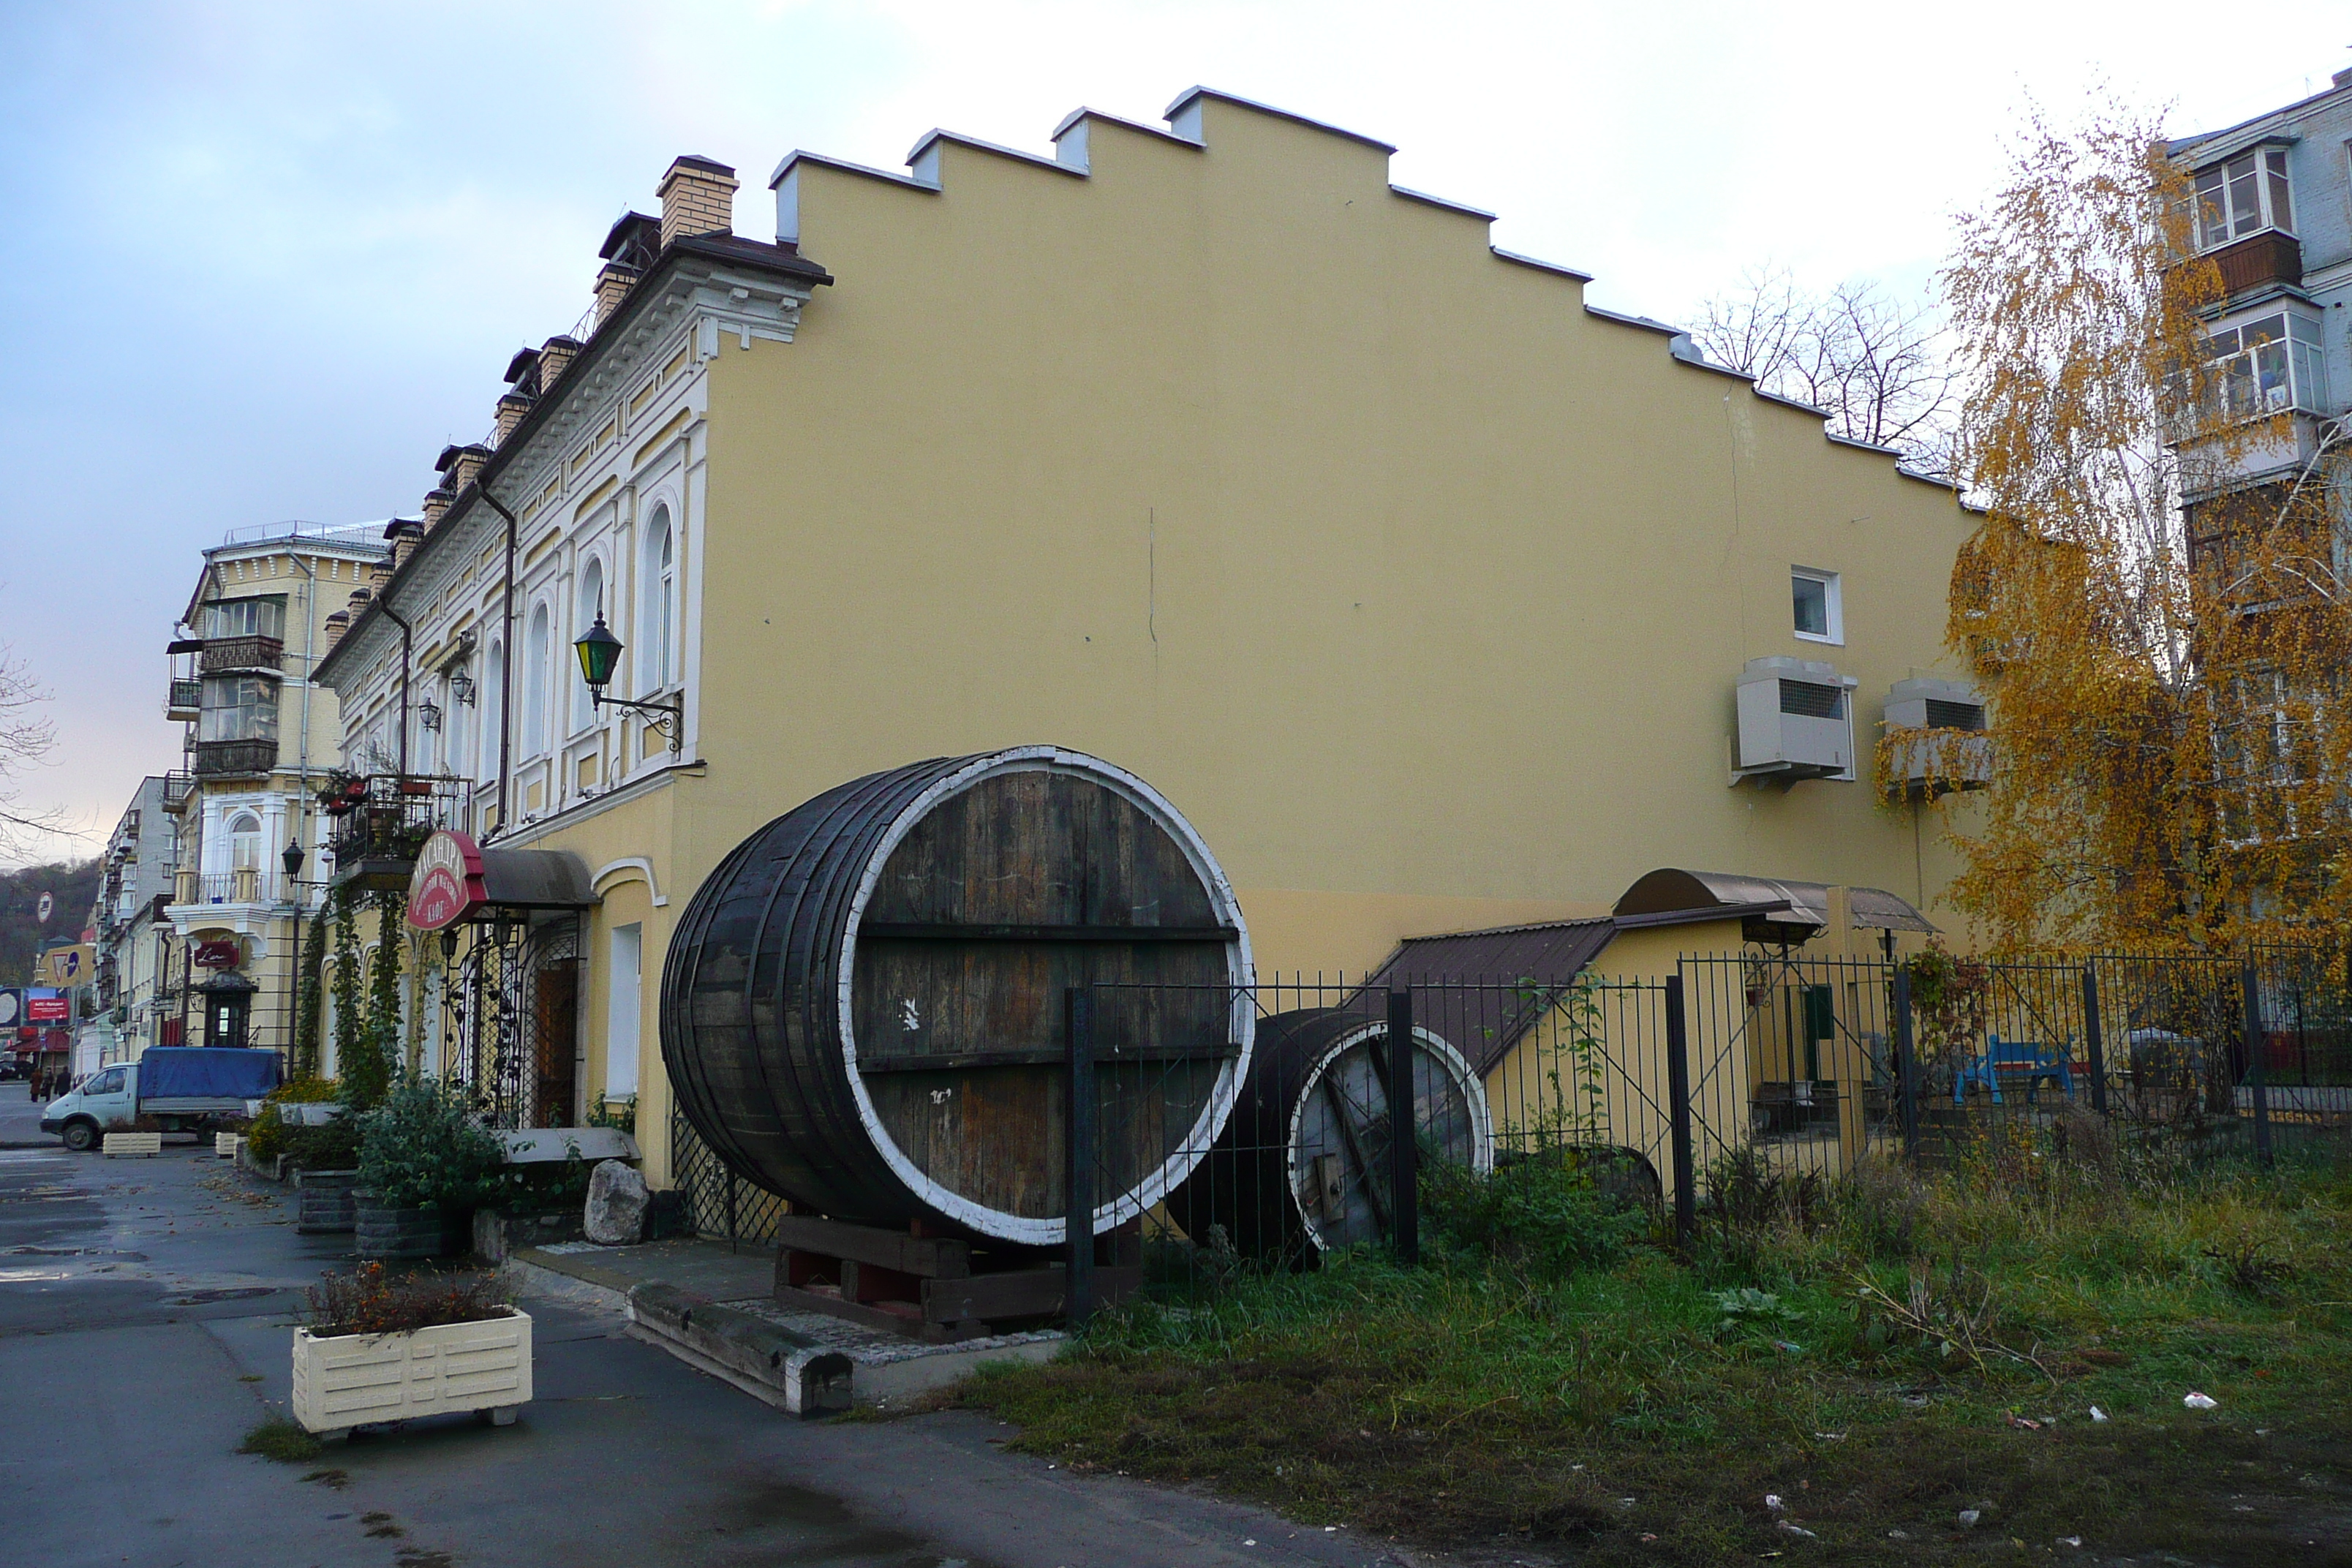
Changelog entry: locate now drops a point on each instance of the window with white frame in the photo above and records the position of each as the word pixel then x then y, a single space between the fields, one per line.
pixel 2244 196
pixel 261 616
pixel 238 708
pixel 245 842
pixel 1819 614
pixel 621 1027
pixel 592 604
pixel 535 673
pixel 2268 365
pixel 658 639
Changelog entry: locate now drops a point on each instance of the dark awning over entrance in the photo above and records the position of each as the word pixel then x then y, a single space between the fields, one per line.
pixel 535 879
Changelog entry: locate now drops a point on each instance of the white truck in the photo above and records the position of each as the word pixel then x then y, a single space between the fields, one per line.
pixel 179 1089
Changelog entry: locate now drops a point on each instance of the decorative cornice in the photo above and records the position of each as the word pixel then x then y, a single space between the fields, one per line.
pixel 699 287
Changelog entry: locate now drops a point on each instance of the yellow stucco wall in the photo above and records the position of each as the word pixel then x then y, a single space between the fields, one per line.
pixel 1401 576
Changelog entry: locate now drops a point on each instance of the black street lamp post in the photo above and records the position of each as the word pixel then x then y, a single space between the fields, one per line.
pixel 292 861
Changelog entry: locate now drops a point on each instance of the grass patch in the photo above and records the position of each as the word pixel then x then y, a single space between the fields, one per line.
pixel 1880 1356
pixel 282 1440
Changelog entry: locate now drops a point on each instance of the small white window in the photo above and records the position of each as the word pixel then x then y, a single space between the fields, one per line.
pixel 2246 195
pixel 621 1030
pixel 1819 615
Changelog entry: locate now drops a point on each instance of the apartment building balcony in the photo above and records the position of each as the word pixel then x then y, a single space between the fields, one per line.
pixel 382 820
pixel 248 886
pixel 178 790
pixel 185 703
pixel 2260 260
pixel 235 759
pixel 225 656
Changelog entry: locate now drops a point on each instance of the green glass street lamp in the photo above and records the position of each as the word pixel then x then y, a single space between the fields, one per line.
pixel 600 655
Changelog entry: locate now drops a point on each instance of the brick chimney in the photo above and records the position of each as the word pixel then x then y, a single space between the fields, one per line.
pixel 512 408
pixel 378 573
pixel 436 506
pixel 358 601
pixel 697 197
pixel 337 623
pixel 406 533
pixel 613 285
pixel 459 465
pixel 554 358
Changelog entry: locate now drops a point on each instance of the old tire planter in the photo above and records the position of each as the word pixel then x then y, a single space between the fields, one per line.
pixel 1302 1166
pixel 863 1006
pixel 381 1232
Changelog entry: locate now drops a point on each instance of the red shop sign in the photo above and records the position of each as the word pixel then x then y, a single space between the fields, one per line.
pixel 446 884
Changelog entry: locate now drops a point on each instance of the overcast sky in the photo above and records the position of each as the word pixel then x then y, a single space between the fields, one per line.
pixel 261 261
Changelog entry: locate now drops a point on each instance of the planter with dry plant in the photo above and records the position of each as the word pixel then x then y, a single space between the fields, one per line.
pixel 384 1347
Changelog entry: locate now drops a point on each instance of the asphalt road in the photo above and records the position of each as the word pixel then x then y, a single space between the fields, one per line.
pixel 145 1315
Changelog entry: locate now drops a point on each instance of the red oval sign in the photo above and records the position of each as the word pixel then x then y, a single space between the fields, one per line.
pixel 446 884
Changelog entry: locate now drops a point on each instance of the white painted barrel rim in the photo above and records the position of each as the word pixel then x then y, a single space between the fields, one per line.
pixel 1158 1185
pixel 1481 1126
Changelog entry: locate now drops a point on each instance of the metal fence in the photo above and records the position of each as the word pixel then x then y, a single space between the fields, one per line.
pixel 714 1202
pixel 1760 1065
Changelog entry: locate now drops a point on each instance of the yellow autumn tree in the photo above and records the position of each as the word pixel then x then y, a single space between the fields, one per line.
pixel 2153 603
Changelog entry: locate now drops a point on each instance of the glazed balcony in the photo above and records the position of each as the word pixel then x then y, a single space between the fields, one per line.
pixel 2260 260
pixel 224 655
pixel 186 702
pixel 235 759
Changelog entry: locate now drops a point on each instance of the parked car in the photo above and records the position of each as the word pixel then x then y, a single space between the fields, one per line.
pixel 184 1088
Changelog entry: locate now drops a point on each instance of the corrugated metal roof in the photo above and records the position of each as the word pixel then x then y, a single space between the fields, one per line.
pixel 1487 988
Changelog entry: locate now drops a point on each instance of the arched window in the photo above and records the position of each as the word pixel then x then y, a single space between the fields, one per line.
pixel 492 706
pixel 534 675
pixel 658 629
pixel 245 842
pixel 592 604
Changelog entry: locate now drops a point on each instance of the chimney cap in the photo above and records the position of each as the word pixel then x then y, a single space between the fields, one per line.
pixel 450 456
pixel 696 161
pixel 403 526
pixel 520 365
pixel 633 240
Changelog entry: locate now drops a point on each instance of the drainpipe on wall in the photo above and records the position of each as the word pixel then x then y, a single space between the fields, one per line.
pixel 507 660
pixel 406 647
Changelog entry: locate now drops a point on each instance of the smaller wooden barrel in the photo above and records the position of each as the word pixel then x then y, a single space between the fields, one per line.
pixel 1303 1165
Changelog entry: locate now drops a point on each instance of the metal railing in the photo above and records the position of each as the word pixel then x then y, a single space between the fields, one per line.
pixel 380 820
pixel 249 886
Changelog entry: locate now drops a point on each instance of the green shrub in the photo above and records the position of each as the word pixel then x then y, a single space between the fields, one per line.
pixel 1543 1215
pixel 333 1147
pixel 267 1136
pixel 423 1148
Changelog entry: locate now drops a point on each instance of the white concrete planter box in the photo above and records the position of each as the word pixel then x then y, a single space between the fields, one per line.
pixel 224 1145
pixel 356 1380
pixel 119 1144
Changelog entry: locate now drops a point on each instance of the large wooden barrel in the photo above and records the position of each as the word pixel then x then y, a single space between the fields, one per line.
pixel 1302 1167
pixel 863 1006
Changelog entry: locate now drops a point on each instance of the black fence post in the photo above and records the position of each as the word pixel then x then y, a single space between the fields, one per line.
pixel 1678 1091
pixel 1907 1066
pixel 2257 1047
pixel 1078 1294
pixel 2092 1040
pixel 1405 1177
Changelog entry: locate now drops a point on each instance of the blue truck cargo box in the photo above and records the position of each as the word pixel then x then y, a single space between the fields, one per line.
pixel 206 1072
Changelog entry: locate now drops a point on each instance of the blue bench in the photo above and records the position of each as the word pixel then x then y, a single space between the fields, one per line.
pixel 2035 1062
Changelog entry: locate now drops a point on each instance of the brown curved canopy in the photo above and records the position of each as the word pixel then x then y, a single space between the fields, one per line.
pixel 1780 911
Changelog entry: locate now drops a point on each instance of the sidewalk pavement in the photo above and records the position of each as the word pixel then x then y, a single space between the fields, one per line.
pixel 712 1304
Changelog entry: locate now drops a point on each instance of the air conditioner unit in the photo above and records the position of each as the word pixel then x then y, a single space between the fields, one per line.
pixel 1937 730
pixel 1796 720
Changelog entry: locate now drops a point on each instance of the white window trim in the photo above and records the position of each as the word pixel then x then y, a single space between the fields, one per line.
pixel 1835 583
pixel 2261 154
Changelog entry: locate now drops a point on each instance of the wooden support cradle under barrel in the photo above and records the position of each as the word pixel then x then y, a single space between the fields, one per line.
pixel 863 1008
pixel 1302 1166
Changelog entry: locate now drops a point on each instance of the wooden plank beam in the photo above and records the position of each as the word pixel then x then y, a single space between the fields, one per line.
pixel 931 1257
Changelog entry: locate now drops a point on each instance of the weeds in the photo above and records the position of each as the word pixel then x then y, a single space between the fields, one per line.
pixel 368 1301
pixel 282 1440
pixel 1900 1340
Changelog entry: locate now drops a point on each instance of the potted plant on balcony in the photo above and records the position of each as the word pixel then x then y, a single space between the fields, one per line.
pixel 425 1164
pixel 382 1347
